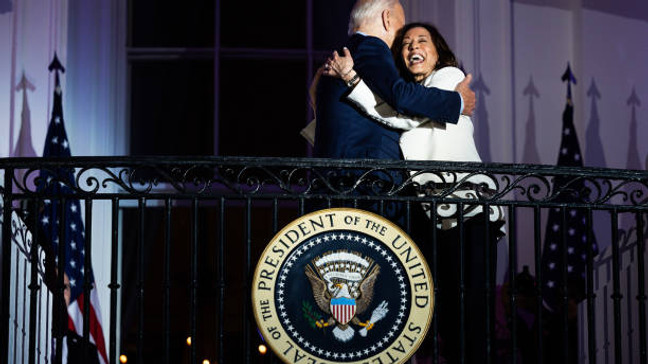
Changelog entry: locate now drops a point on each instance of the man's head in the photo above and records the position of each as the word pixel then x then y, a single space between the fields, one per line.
pixel 380 18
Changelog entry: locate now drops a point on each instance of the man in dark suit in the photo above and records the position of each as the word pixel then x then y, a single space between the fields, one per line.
pixel 343 131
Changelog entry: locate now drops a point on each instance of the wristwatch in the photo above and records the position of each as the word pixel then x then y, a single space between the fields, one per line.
pixel 353 80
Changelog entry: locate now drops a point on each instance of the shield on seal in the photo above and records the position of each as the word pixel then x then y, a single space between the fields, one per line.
pixel 343 309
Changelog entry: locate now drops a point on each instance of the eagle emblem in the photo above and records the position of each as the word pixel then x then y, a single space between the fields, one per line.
pixel 343 285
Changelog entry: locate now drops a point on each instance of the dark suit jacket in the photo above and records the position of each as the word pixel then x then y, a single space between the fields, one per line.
pixel 342 131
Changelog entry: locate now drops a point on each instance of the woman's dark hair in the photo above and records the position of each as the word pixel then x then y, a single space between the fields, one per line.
pixel 446 57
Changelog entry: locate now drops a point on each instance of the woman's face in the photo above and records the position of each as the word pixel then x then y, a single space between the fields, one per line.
pixel 419 53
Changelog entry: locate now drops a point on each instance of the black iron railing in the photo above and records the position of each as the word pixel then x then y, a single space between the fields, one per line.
pixel 182 237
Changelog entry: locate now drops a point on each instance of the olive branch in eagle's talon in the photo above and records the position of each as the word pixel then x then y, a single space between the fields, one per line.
pixel 314 319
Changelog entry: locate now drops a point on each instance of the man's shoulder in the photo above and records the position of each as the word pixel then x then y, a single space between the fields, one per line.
pixel 363 42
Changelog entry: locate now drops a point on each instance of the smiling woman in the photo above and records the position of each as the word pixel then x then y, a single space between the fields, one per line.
pixel 419 54
pixel 421 51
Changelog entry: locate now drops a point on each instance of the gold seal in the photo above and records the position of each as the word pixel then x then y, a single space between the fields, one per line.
pixel 342 285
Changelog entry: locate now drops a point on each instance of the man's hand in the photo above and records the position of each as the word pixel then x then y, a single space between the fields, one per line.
pixel 468 95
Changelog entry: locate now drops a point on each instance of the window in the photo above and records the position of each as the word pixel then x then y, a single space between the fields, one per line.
pixel 238 86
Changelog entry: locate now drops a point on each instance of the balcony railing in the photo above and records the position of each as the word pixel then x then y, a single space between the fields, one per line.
pixel 174 241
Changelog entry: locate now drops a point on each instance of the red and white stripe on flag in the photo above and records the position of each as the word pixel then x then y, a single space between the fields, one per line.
pixel 75 322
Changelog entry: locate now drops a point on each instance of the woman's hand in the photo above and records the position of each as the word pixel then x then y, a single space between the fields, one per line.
pixel 340 66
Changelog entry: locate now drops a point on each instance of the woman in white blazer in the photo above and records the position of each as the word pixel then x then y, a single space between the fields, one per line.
pixel 424 56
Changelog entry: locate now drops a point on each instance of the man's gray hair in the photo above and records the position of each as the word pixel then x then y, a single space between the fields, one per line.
pixel 365 10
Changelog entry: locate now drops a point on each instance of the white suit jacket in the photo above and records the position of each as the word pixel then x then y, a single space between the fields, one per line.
pixel 425 139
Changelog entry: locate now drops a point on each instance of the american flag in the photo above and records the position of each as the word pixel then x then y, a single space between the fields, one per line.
pixel 60 181
pixel 576 241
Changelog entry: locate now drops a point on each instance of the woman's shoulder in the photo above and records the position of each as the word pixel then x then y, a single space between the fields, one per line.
pixel 445 78
pixel 450 72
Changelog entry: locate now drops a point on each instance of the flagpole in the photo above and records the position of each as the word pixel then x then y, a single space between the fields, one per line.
pixel 77 312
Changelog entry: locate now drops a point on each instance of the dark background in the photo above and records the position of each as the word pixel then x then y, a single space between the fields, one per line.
pixel 234 87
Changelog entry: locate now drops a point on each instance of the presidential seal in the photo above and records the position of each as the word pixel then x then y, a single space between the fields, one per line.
pixel 342 286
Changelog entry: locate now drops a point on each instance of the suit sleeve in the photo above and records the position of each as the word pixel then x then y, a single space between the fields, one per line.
pixel 374 63
pixel 378 110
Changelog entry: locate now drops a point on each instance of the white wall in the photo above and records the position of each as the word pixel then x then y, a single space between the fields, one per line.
pixel 615 54
pixel 31 33
pixel 89 39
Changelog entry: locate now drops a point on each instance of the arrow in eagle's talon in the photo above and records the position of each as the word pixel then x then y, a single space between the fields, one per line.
pixel 321 323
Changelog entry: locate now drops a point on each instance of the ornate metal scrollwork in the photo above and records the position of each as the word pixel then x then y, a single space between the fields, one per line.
pixel 22 239
pixel 491 183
